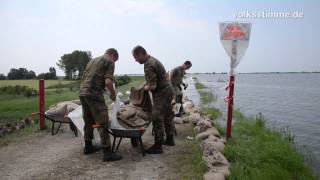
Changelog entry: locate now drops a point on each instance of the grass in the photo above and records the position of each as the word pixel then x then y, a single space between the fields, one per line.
pixel 206 97
pixel 199 85
pixel 13 108
pixel 212 113
pixel 32 83
pixel 189 162
pixel 258 152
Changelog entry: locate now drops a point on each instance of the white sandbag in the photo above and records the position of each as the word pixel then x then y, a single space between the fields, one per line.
pixel 176 108
pixel 114 121
pixel 76 118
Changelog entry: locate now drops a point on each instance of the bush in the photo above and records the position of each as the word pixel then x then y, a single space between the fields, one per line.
pixel 17 90
pixel 3 77
pixel 122 80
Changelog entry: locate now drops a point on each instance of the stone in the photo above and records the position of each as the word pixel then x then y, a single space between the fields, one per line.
pixel 213 176
pixel 178 120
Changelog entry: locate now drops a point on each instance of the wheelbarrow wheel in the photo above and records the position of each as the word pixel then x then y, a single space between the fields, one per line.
pixel 134 142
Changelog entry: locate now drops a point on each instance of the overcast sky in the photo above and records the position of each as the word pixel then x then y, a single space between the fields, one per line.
pixel 36 33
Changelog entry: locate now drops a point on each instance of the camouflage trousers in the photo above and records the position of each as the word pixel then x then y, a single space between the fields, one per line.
pixel 95 112
pixel 162 115
pixel 177 93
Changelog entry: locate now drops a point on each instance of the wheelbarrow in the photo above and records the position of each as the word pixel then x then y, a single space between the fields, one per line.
pixel 59 120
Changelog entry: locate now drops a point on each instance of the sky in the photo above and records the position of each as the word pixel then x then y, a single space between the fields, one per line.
pixel 36 33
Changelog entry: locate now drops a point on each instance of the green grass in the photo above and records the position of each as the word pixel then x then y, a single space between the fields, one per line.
pixel 212 112
pixel 199 85
pixel 206 97
pixel 32 83
pixel 189 162
pixel 13 108
pixel 257 152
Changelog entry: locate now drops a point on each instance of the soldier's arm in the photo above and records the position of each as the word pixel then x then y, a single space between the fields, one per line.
pixel 109 80
pixel 151 78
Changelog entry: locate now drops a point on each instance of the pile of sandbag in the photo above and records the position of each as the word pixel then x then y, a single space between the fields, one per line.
pixel 211 143
pixel 133 117
pixel 9 128
pixel 137 113
pixel 61 109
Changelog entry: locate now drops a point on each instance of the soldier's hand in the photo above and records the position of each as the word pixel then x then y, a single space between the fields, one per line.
pixel 146 88
pixel 185 86
pixel 113 97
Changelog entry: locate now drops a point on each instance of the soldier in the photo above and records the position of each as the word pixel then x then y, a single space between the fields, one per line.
pixel 162 115
pixel 176 77
pixel 97 77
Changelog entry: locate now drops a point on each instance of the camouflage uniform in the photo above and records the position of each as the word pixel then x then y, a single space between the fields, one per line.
pixel 91 96
pixel 162 115
pixel 176 81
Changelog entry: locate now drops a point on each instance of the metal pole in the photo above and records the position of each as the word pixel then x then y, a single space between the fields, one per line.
pixel 231 87
pixel 41 104
pixel 230 106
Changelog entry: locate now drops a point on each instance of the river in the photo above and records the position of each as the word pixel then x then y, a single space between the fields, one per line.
pixel 286 100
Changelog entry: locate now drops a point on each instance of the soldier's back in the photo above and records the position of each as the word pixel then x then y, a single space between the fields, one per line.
pixel 93 81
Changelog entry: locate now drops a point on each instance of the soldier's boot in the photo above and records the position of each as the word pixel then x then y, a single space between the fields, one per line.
pixel 108 155
pixel 181 111
pixel 169 141
pixel 89 148
pixel 155 149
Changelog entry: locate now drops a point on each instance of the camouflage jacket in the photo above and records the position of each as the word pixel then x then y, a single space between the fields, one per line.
pixel 155 74
pixel 176 76
pixel 93 81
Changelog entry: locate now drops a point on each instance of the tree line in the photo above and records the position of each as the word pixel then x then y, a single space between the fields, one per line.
pixel 73 64
pixel 23 73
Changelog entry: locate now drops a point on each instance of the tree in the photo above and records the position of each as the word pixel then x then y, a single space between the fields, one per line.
pixel 74 64
pixel 53 73
pixel 20 73
pixel 3 77
pixel 30 75
pixel 49 75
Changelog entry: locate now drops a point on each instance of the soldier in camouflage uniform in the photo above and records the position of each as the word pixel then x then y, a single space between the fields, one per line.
pixel 162 115
pixel 97 77
pixel 176 77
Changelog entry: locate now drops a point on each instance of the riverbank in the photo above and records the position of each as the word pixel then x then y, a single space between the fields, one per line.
pixel 257 152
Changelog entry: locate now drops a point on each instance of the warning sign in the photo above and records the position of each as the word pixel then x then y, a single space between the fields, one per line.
pixel 235 31
pixel 235 38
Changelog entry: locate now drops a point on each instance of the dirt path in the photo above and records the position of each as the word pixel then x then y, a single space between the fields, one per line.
pixel 60 157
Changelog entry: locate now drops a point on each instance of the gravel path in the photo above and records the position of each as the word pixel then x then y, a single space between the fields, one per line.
pixel 60 157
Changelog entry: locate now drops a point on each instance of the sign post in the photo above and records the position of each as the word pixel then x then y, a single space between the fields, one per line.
pixel 234 37
pixel 41 104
